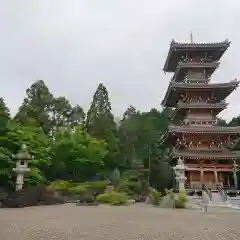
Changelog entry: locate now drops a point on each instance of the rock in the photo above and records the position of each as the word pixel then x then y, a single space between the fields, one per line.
pixel 32 196
pixel 130 202
pixel 140 198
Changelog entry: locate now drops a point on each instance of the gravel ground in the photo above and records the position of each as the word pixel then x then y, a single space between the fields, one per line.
pixel 138 221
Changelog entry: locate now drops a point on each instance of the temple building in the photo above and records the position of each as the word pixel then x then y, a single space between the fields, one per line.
pixel 194 135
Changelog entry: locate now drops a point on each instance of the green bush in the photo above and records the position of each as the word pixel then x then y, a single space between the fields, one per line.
pixel 78 190
pixel 155 197
pixel 180 200
pixel 170 193
pixel 113 198
pixel 99 186
pixel 130 187
pixel 59 185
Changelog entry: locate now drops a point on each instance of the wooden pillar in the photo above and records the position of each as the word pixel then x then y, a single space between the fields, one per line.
pixel 201 177
pixel 190 178
pixel 216 178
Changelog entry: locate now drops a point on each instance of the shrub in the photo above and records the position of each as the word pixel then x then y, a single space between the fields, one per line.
pixel 170 193
pixel 155 197
pixel 78 190
pixel 59 185
pixel 113 198
pixel 98 186
pixel 130 187
pixel 180 200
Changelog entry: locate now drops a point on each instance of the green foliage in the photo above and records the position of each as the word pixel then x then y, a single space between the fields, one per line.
pixel 76 155
pixel 97 185
pixel 113 198
pixel 100 124
pixel 180 200
pixel 77 190
pixel 131 188
pixel 36 106
pixel 60 185
pixel 83 152
pixel 155 197
pixel 170 193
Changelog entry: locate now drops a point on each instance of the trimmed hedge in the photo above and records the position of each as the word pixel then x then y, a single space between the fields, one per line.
pixel 113 198
pixel 59 185
pixel 78 188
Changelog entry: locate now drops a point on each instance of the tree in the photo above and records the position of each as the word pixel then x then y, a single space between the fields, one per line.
pixel 139 136
pixel 4 115
pixel 38 145
pixel 36 106
pixel 76 155
pixel 100 123
pixel 4 110
pixel 60 112
pixel 131 110
pixel 234 122
pixel 221 122
pixel 77 116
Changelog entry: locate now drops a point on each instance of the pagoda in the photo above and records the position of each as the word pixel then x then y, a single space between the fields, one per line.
pixel 194 136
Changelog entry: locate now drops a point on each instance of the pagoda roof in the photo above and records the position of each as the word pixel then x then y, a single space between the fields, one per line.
pixel 206 154
pixel 182 107
pixel 181 68
pixel 222 90
pixel 177 50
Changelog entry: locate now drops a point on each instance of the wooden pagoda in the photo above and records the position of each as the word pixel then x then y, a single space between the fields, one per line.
pixel 194 135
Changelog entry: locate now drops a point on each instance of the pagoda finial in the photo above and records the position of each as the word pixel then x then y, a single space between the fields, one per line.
pixel 191 37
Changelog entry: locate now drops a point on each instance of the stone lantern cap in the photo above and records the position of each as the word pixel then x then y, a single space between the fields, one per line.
pixel 23 154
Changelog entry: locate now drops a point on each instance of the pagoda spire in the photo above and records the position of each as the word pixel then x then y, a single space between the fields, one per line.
pixel 191 37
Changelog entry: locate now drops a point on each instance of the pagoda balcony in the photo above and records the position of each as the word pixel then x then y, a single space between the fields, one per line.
pixel 191 129
pixel 182 108
pixel 219 90
pixel 207 155
pixel 216 167
pixel 174 132
pixel 184 67
pixel 178 51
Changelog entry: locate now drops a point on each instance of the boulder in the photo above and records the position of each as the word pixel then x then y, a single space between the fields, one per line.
pixel 32 196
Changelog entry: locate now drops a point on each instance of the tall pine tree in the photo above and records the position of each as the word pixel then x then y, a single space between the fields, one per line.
pixel 100 123
pixel 36 106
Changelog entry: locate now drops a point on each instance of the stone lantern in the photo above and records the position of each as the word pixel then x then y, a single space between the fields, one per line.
pixel 179 170
pixel 22 158
pixel 235 170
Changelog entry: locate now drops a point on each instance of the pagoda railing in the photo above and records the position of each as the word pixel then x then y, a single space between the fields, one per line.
pixel 233 84
pixel 213 166
pixel 202 105
pixel 200 63
pixel 204 129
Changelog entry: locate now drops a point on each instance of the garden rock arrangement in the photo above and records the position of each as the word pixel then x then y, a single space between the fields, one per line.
pixel 87 199
pixel 33 196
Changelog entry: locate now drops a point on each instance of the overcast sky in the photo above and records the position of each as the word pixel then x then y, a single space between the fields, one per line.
pixel 73 45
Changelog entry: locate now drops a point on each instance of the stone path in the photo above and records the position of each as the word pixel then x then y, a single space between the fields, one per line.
pixel 69 222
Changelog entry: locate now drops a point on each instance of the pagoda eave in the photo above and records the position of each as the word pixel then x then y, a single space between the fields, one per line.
pixel 221 90
pixel 177 50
